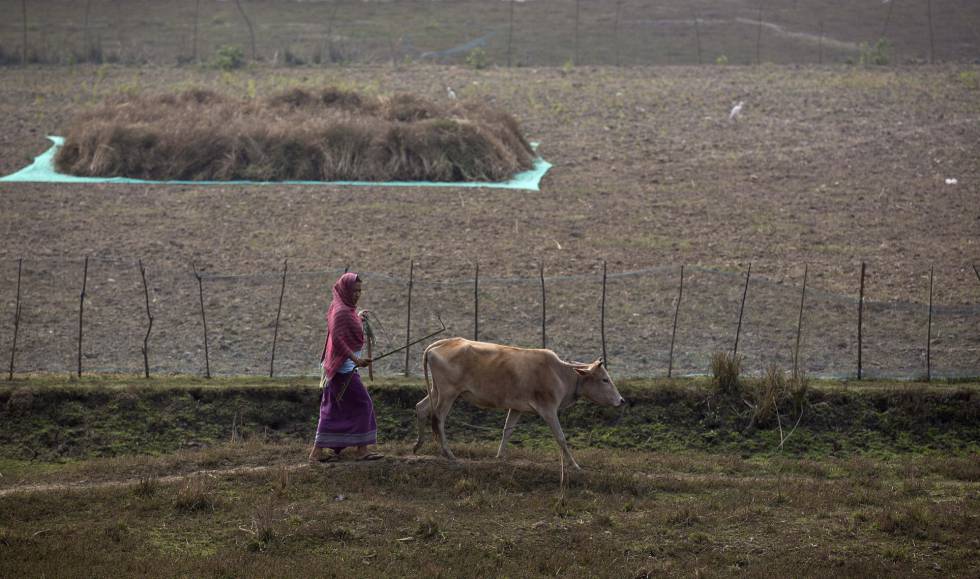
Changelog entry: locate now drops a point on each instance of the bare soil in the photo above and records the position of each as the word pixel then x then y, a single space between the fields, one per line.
pixel 826 166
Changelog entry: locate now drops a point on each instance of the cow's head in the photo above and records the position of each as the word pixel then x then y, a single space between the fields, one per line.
pixel 597 386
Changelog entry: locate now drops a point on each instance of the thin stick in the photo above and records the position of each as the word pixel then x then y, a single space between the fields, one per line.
pixel 741 310
pixel 619 7
pixel 673 333
pixel 510 35
pixel 758 35
pixel 88 34
pixel 976 272
pixel 197 11
pixel 544 309
pixel 476 304
pixel 23 12
pixel 932 43
pixel 204 320
pixel 275 334
pixel 251 30
pixel 860 320
pixel 13 347
pixel 929 333
pixel 697 33
pixel 575 56
pixel 343 388
pixel 799 324
pixel 820 45
pixel 81 313
pixel 149 328
pixel 888 17
pixel 602 317
pixel 408 320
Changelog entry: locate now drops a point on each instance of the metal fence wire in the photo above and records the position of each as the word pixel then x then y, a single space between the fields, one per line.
pixel 241 311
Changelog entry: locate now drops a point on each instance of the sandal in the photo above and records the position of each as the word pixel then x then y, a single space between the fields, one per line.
pixel 371 456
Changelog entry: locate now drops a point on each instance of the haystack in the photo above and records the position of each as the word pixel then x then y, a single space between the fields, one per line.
pixel 324 135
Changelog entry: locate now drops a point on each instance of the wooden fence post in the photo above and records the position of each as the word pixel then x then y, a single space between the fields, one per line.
pixel 860 320
pixel 820 45
pixel 81 313
pixel 23 14
pixel 510 33
pixel 197 11
pixel 204 320
pixel 758 36
pixel 88 33
pixel 476 304
pixel 575 53
pixel 741 310
pixel 673 333
pixel 888 17
pixel 149 328
pixel 275 334
pixel 697 33
pixel 932 44
pixel 408 321
pixel 251 30
pixel 616 46
pixel 13 346
pixel 544 309
pixel 799 325
pixel 929 333
pixel 602 316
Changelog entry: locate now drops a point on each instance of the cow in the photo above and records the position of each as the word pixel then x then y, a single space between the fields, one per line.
pixel 514 379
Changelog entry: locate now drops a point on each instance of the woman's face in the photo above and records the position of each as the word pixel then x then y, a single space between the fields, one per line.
pixel 357 291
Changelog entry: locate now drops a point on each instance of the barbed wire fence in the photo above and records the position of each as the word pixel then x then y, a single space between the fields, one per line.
pixel 95 315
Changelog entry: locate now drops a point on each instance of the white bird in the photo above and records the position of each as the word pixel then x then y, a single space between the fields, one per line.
pixel 736 111
pixel 451 93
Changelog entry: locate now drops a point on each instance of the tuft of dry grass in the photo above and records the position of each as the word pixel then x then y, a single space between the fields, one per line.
pixel 726 368
pixel 775 390
pixel 146 487
pixel 299 134
pixel 196 493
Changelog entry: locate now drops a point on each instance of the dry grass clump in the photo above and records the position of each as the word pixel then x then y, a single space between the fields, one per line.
pixel 726 369
pixel 325 135
pixel 775 390
pixel 196 493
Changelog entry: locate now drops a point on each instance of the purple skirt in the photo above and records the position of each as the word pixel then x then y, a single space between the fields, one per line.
pixel 349 421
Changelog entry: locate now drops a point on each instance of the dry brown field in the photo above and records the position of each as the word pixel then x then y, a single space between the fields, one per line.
pixel 827 166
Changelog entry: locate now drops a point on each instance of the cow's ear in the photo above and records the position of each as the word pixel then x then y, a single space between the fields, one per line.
pixel 582 371
pixel 600 362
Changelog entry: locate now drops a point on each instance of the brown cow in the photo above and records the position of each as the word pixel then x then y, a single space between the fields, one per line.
pixel 514 379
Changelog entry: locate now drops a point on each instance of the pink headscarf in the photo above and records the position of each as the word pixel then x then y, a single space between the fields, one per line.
pixel 345 335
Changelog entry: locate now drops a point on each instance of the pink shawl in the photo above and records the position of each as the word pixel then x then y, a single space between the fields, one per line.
pixel 345 335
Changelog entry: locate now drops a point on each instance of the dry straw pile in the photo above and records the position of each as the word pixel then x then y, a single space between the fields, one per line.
pixel 325 135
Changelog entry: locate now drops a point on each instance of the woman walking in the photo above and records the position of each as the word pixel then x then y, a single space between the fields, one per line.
pixel 346 411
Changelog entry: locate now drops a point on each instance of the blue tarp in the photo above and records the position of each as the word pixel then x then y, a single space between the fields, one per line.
pixel 42 170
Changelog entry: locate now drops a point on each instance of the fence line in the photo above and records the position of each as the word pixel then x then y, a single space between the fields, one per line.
pixel 637 301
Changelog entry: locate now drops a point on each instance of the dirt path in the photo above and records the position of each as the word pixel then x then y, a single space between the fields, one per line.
pixel 660 477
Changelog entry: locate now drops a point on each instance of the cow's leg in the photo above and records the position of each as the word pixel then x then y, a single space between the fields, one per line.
pixel 512 417
pixel 438 417
pixel 421 416
pixel 551 418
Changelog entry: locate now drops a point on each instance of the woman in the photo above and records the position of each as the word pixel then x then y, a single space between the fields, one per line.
pixel 346 412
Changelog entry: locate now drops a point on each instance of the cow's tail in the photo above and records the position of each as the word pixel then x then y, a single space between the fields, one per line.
pixel 429 385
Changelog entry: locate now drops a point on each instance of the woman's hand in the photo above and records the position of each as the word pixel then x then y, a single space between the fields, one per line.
pixel 361 362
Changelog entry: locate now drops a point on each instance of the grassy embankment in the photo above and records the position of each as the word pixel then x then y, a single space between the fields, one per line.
pixel 877 479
